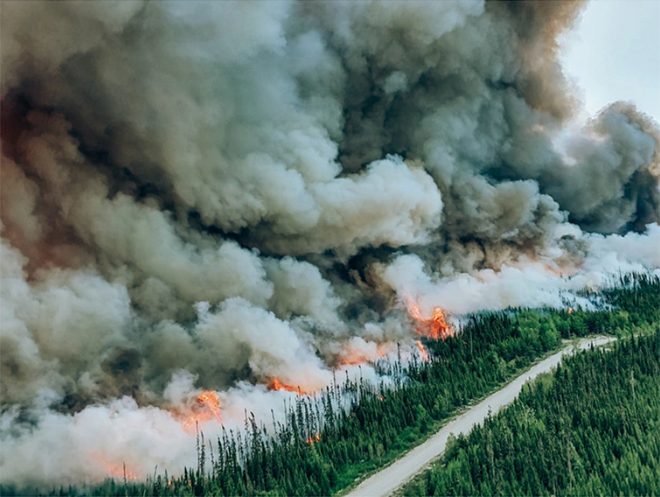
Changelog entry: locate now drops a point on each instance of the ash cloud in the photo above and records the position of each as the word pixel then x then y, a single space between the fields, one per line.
pixel 229 192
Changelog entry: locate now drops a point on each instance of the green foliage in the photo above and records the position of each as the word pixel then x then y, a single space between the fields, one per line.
pixel 593 429
pixel 380 422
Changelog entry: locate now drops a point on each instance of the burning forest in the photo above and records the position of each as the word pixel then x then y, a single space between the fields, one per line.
pixel 211 209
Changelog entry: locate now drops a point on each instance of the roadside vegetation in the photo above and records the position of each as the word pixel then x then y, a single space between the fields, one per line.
pixel 322 448
pixel 590 428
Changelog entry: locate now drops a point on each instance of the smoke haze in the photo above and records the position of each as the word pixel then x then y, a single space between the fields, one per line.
pixel 210 195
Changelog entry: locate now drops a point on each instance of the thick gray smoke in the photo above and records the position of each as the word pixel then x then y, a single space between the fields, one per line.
pixel 211 195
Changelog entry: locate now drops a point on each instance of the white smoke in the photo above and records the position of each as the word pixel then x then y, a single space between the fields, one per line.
pixel 212 195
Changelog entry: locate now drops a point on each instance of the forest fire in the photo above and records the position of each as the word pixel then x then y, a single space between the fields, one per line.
pixel 241 197
pixel 355 356
pixel 275 384
pixel 206 408
pixel 111 469
pixel 316 437
pixel 436 327
pixel 422 351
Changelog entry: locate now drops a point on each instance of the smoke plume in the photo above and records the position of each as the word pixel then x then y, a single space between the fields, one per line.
pixel 213 195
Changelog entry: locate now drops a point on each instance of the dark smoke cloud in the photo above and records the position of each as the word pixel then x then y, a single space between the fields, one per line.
pixel 212 194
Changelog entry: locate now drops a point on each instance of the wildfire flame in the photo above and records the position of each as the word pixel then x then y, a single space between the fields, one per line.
pixel 314 438
pixel 112 469
pixel 436 327
pixel 206 408
pixel 570 310
pixel 275 384
pixel 354 357
pixel 422 351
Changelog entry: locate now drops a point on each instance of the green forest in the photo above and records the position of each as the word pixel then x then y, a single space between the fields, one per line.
pixel 321 448
pixel 590 428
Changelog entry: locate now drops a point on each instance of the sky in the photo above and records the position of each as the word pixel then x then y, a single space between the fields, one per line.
pixel 614 54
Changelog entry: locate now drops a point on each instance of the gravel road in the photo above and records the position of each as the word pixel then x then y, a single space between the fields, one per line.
pixel 393 476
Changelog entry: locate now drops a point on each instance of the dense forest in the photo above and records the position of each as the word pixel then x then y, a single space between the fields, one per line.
pixel 591 428
pixel 322 447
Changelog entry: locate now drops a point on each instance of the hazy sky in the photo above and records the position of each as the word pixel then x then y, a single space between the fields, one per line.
pixel 614 53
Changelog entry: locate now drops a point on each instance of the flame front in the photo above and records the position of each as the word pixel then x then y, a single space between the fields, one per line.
pixel 206 408
pixel 422 351
pixel 355 356
pixel 275 384
pixel 113 470
pixel 436 327
pixel 314 438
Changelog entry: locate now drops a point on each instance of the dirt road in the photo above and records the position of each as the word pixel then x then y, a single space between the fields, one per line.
pixel 392 477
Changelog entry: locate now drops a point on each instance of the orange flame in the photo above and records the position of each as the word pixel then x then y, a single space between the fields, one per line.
pixel 275 384
pixel 314 438
pixel 112 469
pixel 436 328
pixel 355 355
pixel 206 408
pixel 570 310
pixel 351 356
pixel 422 351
